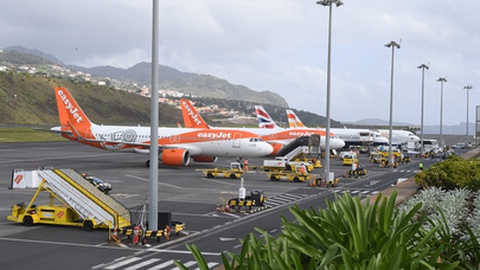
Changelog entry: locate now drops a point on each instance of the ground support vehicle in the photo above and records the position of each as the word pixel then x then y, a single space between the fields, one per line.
pixel 234 172
pixel 299 152
pixel 254 202
pixel 282 164
pixel 350 158
pixel 300 174
pixel 395 152
pixel 321 182
pixel 81 204
pixel 376 157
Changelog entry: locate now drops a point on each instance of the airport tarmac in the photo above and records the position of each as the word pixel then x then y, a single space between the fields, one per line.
pixel 183 191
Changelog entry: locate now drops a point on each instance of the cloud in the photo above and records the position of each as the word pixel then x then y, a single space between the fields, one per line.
pixel 276 45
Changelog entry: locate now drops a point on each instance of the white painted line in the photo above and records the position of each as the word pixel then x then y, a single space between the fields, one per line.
pixel 142 264
pixel 123 262
pixel 162 265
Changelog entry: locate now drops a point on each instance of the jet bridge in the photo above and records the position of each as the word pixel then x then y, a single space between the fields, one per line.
pixel 82 203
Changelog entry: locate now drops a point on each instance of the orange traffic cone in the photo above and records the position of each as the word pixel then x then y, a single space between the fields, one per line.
pixel 167 232
pixel 136 235
pixel 115 234
pixel 227 207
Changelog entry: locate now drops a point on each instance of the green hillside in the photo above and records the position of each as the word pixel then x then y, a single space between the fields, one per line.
pixel 28 100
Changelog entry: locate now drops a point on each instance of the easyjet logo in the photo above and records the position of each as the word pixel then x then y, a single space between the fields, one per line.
pixel 18 179
pixel 300 133
pixel 212 135
pixel 74 111
pixel 190 112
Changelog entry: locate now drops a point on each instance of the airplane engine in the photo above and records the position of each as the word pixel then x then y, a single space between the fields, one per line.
pixel 175 157
pixel 205 159
pixel 276 148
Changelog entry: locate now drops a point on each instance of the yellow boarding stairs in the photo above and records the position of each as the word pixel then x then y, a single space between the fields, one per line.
pixel 83 204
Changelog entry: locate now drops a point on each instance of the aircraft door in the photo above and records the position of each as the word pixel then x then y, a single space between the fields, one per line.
pixel 236 140
pixel 314 144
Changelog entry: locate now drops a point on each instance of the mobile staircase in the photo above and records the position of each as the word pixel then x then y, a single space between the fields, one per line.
pixel 82 204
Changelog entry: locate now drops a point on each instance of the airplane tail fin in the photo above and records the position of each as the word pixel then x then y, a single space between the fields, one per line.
pixel 191 117
pixel 72 117
pixel 293 120
pixel 263 118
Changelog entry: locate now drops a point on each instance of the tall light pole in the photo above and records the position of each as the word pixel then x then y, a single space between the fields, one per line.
pixel 441 80
pixel 423 67
pixel 153 192
pixel 467 87
pixel 328 3
pixel 392 45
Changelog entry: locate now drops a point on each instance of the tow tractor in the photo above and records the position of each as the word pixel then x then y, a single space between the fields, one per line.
pixel 299 174
pixel 234 172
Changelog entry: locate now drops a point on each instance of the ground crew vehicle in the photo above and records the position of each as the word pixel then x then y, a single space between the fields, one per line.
pixel 256 199
pixel 282 164
pixel 81 204
pixel 395 152
pixel 350 158
pixel 300 174
pixel 376 157
pixel 322 182
pixel 234 172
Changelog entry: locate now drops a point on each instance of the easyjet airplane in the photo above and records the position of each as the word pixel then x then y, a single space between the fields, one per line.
pixel 349 136
pixel 177 146
pixel 275 135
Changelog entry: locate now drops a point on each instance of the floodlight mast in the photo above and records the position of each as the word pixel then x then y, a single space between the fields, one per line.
pixel 392 45
pixel 328 3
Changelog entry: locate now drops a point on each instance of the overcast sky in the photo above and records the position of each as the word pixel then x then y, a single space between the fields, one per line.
pixel 278 45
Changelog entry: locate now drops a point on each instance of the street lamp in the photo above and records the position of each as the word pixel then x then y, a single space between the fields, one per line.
pixel 441 80
pixel 468 87
pixel 392 45
pixel 328 3
pixel 423 67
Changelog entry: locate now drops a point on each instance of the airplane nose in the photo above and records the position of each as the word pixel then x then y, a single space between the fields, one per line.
pixel 267 149
pixel 336 143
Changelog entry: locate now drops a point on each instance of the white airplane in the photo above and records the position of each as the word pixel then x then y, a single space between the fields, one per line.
pixel 348 135
pixel 276 136
pixel 400 136
pixel 177 146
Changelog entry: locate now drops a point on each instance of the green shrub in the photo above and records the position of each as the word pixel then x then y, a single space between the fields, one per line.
pixel 452 173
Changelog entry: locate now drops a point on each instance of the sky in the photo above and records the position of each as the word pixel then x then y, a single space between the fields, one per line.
pixel 279 46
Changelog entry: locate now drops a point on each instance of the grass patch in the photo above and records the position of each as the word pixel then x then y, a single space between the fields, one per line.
pixel 27 134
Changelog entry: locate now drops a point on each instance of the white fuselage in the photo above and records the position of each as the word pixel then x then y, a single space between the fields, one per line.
pixel 400 136
pixel 198 141
pixel 359 136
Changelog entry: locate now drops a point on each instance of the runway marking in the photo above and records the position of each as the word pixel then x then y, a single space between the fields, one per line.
pixel 123 263
pixel 142 264
pixel 160 183
pixel 220 182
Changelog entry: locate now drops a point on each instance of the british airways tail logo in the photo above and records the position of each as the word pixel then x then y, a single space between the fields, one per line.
pixel 74 111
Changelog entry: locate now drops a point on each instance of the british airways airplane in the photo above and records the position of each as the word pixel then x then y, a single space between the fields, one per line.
pixel 276 136
pixel 348 135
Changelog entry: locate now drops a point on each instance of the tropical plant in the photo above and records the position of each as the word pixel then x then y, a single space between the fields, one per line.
pixel 456 216
pixel 346 235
